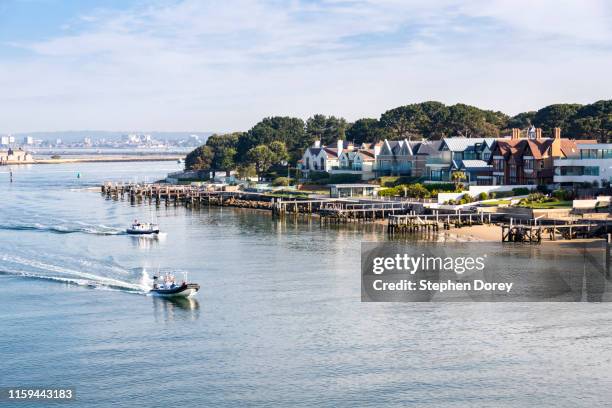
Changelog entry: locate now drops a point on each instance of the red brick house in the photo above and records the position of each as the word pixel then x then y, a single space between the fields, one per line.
pixel 521 160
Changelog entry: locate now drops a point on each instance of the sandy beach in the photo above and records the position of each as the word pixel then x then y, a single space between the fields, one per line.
pixel 480 233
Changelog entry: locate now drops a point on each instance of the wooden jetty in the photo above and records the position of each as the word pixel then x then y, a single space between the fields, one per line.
pixel 534 231
pixel 410 223
pixel 331 210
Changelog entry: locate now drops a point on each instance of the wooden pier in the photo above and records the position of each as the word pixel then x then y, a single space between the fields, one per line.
pixel 410 223
pixel 331 210
pixel 534 231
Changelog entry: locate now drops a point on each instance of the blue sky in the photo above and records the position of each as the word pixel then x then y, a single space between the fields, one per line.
pixel 223 65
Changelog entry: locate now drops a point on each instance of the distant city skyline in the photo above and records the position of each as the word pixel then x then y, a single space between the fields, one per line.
pixel 181 65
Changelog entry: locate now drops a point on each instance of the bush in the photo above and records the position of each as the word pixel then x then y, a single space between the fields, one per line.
pixel 521 191
pixel 406 190
pixel 281 181
pixel 318 175
pixel 344 178
pixel 443 187
pixel 483 196
pixel 415 191
pixel 492 195
pixel 563 195
pixel 388 192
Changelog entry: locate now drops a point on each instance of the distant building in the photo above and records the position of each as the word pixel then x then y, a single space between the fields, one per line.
pixel 4 140
pixel 17 156
pixel 592 164
pixel 28 140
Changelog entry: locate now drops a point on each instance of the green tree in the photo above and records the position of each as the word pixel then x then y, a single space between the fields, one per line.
pixel 558 115
pixel 262 157
pixel 465 120
pixel 224 158
pixel 365 130
pixel 281 128
pixel 200 158
pixel 327 129
pixel 407 121
pixel 280 151
pixel 593 121
pixel 437 115
pixel 522 120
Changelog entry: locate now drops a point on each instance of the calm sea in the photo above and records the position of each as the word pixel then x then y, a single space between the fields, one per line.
pixel 278 322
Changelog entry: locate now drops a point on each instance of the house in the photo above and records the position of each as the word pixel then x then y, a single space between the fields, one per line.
pixel 530 160
pixel 361 161
pixel 453 152
pixel 592 164
pixel 404 158
pixel 18 156
pixel 323 158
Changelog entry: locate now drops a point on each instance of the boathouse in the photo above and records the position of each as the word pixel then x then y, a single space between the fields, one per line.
pixel 353 190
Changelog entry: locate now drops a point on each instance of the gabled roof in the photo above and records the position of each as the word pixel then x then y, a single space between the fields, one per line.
pixel 459 144
pixel 428 147
pixel 475 164
pixel 570 147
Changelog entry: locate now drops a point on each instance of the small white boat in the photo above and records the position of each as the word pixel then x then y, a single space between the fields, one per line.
pixel 167 287
pixel 142 228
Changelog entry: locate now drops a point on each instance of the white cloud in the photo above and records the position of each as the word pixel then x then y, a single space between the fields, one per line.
pixel 224 65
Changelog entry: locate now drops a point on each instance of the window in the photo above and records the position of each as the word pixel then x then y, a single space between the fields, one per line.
pixel 528 164
pixel 591 171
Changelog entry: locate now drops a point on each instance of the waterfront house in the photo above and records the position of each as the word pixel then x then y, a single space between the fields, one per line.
pixel 405 158
pixel 341 158
pixel 17 156
pixel 591 164
pixel 453 152
pixel 360 161
pixel 529 160
pixel 323 158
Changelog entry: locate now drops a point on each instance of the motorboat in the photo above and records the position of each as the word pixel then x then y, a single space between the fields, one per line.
pixel 142 228
pixel 166 286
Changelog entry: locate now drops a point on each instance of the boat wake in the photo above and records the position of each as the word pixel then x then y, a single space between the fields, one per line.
pixel 105 277
pixel 64 228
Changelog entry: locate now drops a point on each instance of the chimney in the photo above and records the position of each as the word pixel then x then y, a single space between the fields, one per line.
pixel 340 146
pixel 377 147
pixel 556 144
pixel 317 143
pixel 538 133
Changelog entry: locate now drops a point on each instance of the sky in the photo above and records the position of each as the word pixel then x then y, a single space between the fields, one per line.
pixel 181 65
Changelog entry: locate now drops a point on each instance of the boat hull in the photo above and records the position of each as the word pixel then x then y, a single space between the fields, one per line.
pixel 186 290
pixel 134 232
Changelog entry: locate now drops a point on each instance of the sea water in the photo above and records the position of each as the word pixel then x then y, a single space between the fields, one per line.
pixel 278 321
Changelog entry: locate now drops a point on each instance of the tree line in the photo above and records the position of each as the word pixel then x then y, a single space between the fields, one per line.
pixel 281 140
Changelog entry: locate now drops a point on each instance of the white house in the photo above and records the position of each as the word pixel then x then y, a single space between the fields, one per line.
pixel 324 158
pixel 593 164
pixel 361 162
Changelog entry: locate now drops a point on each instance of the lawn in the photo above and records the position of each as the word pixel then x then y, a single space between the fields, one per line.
pixel 549 205
pixel 495 203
